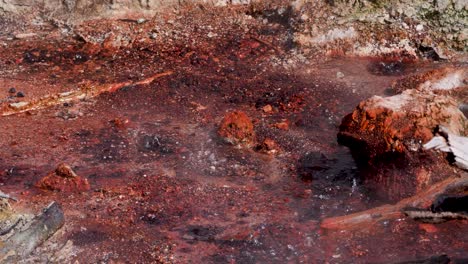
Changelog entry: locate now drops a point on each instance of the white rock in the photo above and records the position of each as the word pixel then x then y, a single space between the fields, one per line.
pixel 448 142
pixel 336 34
pixel 19 105
pixel 448 81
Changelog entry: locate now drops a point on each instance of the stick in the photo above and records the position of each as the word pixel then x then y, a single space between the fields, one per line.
pixel 366 218
pixel 88 92
pixel 267 44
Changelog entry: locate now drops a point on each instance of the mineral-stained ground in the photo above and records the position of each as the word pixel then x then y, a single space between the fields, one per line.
pixel 134 107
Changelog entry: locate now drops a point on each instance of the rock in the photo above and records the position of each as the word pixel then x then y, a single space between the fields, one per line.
pixel 19 105
pixel 448 81
pixel 67 114
pixel 120 123
pixel 268 146
pixel 442 79
pixel 340 75
pixel 456 145
pixel 267 108
pixel 283 125
pixel 386 137
pixel 400 123
pixel 237 129
pixel 334 35
pixel 63 179
pixel 63 170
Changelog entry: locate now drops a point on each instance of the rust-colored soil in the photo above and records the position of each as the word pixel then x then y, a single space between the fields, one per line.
pixel 164 186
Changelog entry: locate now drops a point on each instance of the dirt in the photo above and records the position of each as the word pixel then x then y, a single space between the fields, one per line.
pixel 165 187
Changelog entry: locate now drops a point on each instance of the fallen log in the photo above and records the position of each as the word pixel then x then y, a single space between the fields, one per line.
pixel 422 200
pixel 41 228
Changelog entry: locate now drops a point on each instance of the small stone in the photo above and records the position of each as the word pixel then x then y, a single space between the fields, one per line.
pixel 188 237
pixel 419 27
pixel 340 75
pixel 284 125
pixel 267 109
pixel 69 114
pixel 381 20
pixel 20 94
pixel 428 228
pixel 12 90
pixel 268 146
pixel 119 122
pixel 65 171
pixel 212 35
pixel 19 105
pixel 141 21
pixel 65 94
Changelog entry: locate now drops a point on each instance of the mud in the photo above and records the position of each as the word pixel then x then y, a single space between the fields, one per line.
pixel 165 187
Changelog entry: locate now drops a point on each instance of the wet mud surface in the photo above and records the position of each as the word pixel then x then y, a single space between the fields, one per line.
pixel 166 188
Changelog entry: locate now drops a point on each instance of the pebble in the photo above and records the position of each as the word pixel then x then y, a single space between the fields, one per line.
pixel 18 105
pixel 340 75
pixel 188 237
pixel 20 94
pixel 267 109
pixel 283 125
pixel 12 90
pixel 212 35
